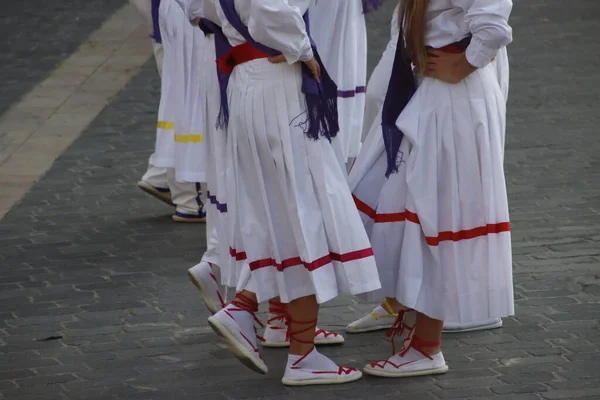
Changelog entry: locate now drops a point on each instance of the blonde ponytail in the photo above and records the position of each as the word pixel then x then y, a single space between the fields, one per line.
pixel 412 24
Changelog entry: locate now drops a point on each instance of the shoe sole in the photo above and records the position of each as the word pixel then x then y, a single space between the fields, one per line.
pixel 388 374
pixel 309 382
pixel 279 345
pixel 495 325
pixel 240 352
pixel 369 329
pixel 149 189
pixel 189 220
pixel 203 293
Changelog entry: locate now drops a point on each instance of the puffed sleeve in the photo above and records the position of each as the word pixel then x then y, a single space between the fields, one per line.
pixel 209 11
pixel 184 4
pixel 279 24
pixel 195 8
pixel 488 23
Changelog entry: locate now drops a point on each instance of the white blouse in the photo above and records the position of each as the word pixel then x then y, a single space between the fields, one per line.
pixel 274 23
pixel 450 21
pixel 192 8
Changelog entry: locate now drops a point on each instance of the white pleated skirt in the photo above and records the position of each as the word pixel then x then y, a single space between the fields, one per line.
pixel 190 134
pixel 294 230
pixel 339 30
pixel 440 226
pixel 172 99
pixel 216 180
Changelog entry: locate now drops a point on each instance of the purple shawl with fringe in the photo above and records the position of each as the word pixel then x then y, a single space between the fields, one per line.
pixel 321 97
pixel 155 26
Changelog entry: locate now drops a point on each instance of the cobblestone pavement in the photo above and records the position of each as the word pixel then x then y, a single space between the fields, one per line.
pixel 95 302
pixel 36 35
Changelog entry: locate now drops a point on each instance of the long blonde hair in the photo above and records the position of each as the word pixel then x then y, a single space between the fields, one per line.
pixel 412 25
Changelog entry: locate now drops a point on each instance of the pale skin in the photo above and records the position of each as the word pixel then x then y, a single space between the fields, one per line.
pixel 448 67
pixel 312 64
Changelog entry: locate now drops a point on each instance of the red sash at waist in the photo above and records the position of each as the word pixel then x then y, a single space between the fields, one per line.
pixel 238 55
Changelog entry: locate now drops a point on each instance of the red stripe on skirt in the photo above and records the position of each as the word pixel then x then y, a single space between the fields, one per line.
pixel 295 261
pixel 446 236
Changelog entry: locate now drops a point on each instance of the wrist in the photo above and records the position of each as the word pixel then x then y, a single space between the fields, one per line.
pixel 466 67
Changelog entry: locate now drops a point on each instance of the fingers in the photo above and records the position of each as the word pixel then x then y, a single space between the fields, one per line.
pixel 435 53
pixel 277 59
pixel 317 72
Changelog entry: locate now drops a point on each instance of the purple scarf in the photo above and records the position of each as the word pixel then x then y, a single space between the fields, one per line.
pixel 156 27
pixel 401 88
pixel 321 98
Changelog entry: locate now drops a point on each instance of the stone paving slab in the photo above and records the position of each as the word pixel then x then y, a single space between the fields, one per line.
pixel 95 302
pixel 37 129
pixel 37 35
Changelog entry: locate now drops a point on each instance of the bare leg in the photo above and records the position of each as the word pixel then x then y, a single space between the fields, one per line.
pixel 249 295
pixel 303 319
pixel 429 331
pixel 392 305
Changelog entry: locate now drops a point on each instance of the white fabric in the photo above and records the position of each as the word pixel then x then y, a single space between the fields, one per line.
pixel 411 363
pixel 216 142
pixel 156 176
pixel 288 193
pixel 339 30
pixel 171 20
pixel 217 252
pixel 370 166
pixel 188 197
pixel 288 201
pixel 452 178
pixel 379 80
pixel 449 21
pixel 190 134
pixel 274 23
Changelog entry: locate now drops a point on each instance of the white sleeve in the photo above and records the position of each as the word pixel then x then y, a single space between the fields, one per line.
pixel 185 7
pixel 279 24
pixel 195 8
pixel 209 11
pixel 488 23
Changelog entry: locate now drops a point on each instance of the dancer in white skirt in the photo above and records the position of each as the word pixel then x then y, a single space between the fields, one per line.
pixel 149 11
pixel 431 186
pixel 340 32
pixel 212 271
pixel 384 316
pixel 186 196
pixel 154 181
pixel 207 274
pixel 290 208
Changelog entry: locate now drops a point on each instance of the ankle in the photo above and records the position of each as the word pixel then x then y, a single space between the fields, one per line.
pixel 391 305
pixel 429 347
pixel 431 350
pixel 301 349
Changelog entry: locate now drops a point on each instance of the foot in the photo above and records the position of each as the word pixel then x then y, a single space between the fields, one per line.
pixel 316 369
pixel 380 318
pixel 276 335
pixel 411 362
pixel 185 217
pixel 236 327
pixel 493 323
pixel 162 194
pixel 203 277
